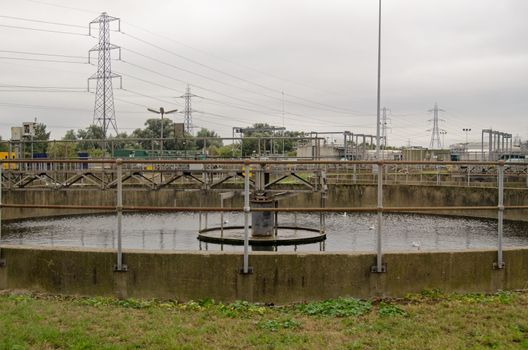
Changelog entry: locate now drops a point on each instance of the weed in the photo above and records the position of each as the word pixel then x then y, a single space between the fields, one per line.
pixel 386 310
pixel 241 308
pixel 342 307
pixel 275 325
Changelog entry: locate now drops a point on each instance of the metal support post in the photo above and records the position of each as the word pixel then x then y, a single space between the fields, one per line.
pixel 345 145
pixel 245 268
pixel 379 267
pixel 2 261
pixel 482 145
pixel 500 262
pixel 490 152
pixel 119 208
pixel 276 223
pixel 222 217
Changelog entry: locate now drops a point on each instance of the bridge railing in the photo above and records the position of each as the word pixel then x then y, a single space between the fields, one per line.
pixel 480 174
pixel 377 169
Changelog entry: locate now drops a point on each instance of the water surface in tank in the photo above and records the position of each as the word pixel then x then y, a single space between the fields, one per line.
pixel 351 232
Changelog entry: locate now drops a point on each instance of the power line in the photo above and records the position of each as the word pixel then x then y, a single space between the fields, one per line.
pixel 20 105
pixel 42 30
pixel 278 111
pixel 39 60
pixel 334 109
pixel 41 54
pixel 41 21
pixel 45 107
pixel 230 61
pixel 37 91
pixel 63 6
pixel 149 96
pixel 40 87
pixel 277 98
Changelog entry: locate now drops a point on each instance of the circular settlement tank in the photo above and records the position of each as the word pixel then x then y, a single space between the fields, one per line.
pixel 344 233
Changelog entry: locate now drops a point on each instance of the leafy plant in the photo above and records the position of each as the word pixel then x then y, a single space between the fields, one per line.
pixel 342 307
pixel 386 310
pixel 240 308
pixel 275 325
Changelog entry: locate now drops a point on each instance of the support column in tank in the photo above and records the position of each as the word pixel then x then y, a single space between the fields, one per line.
pixel 262 222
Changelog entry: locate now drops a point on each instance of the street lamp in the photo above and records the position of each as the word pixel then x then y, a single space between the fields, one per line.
pixel 443 133
pixel 161 112
pixel 466 130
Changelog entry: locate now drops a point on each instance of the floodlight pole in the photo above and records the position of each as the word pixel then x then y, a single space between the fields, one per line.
pixel 379 256
pixel 161 112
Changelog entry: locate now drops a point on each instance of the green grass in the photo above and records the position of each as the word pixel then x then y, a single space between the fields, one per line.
pixel 428 320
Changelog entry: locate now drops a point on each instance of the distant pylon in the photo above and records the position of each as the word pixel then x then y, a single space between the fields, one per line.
pixel 384 126
pixel 435 143
pixel 104 112
pixel 187 112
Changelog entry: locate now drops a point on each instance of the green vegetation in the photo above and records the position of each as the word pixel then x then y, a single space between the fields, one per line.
pixel 428 320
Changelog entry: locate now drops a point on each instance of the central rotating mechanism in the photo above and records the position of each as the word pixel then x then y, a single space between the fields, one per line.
pixel 266 232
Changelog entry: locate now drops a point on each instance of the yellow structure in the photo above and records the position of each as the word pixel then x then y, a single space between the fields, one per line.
pixel 6 155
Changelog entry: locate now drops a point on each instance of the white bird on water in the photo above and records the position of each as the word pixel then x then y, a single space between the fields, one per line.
pixel 226 221
pixel 345 214
pixel 416 244
pixel 371 227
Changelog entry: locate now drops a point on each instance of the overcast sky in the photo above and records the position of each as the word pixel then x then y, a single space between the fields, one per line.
pixel 239 55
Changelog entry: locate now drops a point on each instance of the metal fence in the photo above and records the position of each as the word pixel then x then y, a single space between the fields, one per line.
pixel 377 169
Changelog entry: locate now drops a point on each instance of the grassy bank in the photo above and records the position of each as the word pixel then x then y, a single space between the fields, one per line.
pixel 430 320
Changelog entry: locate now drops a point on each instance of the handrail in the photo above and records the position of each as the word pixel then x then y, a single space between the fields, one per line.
pixel 259 162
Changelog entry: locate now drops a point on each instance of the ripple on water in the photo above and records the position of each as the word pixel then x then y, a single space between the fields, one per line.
pixel 353 232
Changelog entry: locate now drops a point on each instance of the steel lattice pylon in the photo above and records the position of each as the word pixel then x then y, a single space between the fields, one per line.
pixel 104 112
pixel 435 131
pixel 187 113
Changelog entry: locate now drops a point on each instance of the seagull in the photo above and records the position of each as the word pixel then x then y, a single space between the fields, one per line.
pixel 226 221
pixel 416 244
pixel 371 227
pixel 345 214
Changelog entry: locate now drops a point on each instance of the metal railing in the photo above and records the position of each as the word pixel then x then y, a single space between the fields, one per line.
pixel 245 166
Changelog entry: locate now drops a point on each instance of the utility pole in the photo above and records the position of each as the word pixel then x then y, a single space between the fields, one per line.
pixel 466 130
pixel 443 133
pixel 104 112
pixel 283 124
pixel 161 112
pixel 379 222
pixel 435 131
pixel 187 112
pixel 384 126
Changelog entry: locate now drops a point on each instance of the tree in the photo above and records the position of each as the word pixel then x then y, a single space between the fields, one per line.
pixel 62 150
pixel 93 132
pixel 213 139
pixel 70 135
pixel 222 152
pixel 152 130
pixel 3 145
pixel 123 143
pixel 267 144
pixel 40 135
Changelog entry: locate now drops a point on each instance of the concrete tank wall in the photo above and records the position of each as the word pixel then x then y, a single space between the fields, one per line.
pixel 277 278
pixel 339 196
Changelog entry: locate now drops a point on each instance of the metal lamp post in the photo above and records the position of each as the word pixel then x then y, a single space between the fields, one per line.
pixel 161 112
pixel 379 257
pixel 443 133
pixel 466 130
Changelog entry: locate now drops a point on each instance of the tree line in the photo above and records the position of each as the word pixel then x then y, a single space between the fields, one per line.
pixel 90 140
